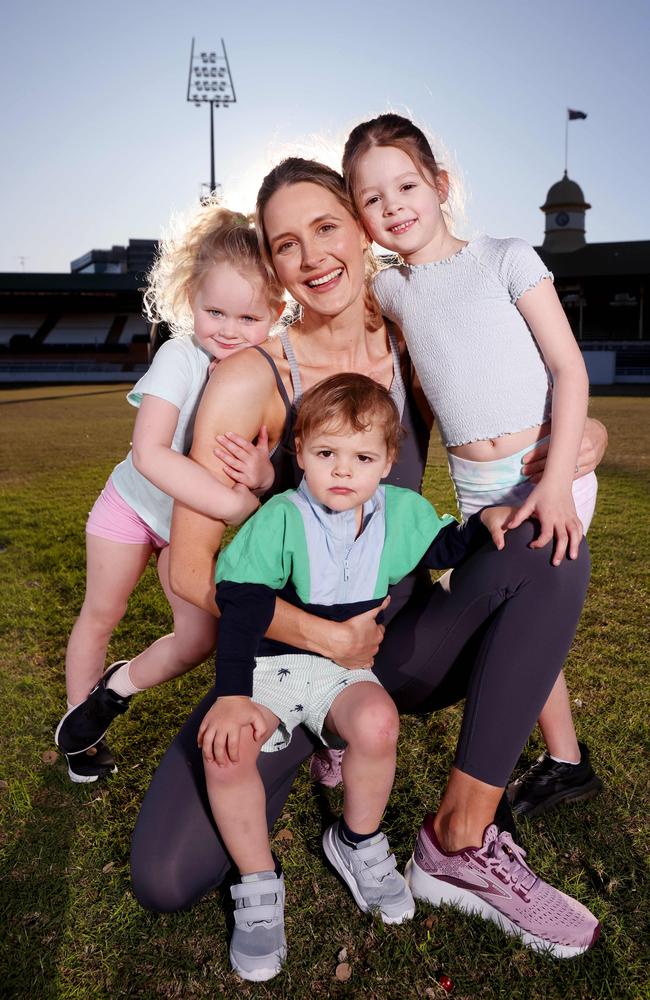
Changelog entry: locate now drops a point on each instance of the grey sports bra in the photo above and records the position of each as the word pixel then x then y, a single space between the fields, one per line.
pixel 397 389
pixel 407 471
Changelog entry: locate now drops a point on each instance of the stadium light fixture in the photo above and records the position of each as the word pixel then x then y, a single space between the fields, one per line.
pixel 210 82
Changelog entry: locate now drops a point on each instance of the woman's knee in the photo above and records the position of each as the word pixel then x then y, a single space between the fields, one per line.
pixel 157 891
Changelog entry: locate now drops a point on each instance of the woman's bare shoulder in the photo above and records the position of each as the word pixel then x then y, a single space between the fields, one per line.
pixel 240 396
pixel 245 370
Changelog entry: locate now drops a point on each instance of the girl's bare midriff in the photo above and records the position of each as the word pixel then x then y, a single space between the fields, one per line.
pixel 501 447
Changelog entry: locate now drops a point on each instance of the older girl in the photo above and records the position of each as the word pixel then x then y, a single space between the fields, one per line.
pixel 485 330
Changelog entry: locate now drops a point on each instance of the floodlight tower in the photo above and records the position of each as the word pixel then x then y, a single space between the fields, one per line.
pixel 210 82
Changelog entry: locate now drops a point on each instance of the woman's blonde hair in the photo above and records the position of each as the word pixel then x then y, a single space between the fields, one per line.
pixel 212 235
pixel 296 170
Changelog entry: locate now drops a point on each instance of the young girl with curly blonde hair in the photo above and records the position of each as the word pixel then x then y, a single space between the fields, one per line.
pixel 210 287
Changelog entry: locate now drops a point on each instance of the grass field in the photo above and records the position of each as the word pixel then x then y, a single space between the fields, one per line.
pixel 70 925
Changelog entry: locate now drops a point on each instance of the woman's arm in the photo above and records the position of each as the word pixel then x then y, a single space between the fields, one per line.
pixel 241 396
pixel 551 501
pixel 592 450
pixel 177 475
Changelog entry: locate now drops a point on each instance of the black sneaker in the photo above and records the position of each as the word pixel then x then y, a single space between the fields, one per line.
pixel 83 726
pixel 94 763
pixel 547 783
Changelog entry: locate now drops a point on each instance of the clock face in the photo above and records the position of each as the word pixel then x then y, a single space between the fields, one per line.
pixel 561 219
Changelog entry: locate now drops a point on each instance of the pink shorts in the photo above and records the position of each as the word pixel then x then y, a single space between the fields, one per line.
pixel 113 518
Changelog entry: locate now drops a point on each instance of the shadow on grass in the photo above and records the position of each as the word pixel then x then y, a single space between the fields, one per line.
pixel 35 894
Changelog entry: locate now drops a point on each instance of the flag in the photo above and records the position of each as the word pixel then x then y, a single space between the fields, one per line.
pixel 573 115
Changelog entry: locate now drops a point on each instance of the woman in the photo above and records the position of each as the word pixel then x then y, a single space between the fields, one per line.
pixel 519 611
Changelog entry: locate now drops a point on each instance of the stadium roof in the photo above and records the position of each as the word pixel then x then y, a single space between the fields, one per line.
pixel 604 260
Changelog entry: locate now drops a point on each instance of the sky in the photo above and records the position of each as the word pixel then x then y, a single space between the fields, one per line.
pixel 100 144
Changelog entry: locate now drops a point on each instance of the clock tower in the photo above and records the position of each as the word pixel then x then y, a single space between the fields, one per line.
pixel 564 208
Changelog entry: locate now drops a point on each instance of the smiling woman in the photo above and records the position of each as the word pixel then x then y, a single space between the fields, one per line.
pixel 316 254
pixel 519 611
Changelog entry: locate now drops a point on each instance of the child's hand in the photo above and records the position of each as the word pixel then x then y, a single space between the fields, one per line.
pixel 556 513
pixel 220 731
pixel 496 520
pixel 246 463
pixel 247 505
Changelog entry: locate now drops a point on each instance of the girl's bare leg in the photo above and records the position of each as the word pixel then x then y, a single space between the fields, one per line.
pixel 556 724
pixel 365 716
pixel 193 639
pixel 112 572
pixel 238 802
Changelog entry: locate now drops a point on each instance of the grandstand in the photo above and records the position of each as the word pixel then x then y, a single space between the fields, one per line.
pixel 86 326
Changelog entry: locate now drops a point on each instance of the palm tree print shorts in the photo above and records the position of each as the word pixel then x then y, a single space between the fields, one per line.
pixel 300 688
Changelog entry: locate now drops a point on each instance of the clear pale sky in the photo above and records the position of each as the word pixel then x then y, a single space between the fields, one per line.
pixel 99 144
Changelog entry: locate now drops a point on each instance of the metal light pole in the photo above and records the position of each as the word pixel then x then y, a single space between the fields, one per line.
pixel 210 82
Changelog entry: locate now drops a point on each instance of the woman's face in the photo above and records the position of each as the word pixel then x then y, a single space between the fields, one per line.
pixel 316 248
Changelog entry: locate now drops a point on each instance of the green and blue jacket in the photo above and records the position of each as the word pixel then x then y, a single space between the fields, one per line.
pixel 297 549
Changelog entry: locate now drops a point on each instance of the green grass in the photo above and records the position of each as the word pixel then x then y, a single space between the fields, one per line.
pixel 71 927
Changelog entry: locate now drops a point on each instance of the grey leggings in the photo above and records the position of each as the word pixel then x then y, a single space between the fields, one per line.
pixel 495 631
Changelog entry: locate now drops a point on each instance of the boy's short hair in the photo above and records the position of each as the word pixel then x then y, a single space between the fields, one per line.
pixel 349 401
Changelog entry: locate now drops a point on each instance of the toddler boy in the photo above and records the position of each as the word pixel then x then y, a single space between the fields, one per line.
pixel 332 547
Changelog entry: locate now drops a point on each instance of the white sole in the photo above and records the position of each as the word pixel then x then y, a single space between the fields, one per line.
pixel 437 892
pixel 86 779
pixel 258 975
pixel 330 847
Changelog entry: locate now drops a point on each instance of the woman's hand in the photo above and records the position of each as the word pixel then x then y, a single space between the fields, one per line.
pixel 247 463
pixel 220 731
pixel 592 449
pixel 556 513
pixel 496 520
pixel 354 643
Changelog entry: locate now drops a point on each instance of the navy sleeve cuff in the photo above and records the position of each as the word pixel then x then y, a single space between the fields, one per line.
pixel 454 542
pixel 247 610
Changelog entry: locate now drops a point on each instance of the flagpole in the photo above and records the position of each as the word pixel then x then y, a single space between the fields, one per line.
pixel 566 144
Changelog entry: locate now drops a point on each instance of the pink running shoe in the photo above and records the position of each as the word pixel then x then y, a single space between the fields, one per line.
pixel 495 881
pixel 325 767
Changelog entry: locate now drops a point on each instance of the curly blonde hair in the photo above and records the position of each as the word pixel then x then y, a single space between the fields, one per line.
pixel 212 235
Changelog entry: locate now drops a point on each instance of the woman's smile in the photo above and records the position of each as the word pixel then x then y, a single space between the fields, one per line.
pixel 326 281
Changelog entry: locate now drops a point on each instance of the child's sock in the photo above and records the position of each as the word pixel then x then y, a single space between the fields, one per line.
pixel 121 682
pixel 351 838
pixel 559 760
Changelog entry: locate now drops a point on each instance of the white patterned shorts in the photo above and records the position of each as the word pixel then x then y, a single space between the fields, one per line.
pixel 299 688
